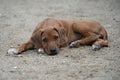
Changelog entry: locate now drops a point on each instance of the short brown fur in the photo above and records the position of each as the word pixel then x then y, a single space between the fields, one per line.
pixel 60 33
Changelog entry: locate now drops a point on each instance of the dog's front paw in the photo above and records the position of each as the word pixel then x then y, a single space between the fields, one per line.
pixel 12 51
pixel 41 51
pixel 74 45
pixel 96 47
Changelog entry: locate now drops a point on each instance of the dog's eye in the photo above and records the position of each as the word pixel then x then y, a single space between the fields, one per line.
pixel 45 40
pixel 55 37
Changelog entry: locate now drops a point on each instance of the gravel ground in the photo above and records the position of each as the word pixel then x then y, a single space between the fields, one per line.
pixel 18 18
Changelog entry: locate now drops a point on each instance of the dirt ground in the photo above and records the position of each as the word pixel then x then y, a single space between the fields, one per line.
pixel 18 18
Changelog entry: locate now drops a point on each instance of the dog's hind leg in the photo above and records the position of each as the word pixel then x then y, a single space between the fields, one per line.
pixel 99 43
pixel 23 47
pixel 91 37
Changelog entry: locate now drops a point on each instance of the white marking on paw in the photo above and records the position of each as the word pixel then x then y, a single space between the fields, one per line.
pixel 40 50
pixel 93 46
pixel 12 51
pixel 96 46
pixel 72 44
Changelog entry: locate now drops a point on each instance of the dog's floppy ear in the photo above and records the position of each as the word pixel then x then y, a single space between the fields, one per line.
pixel 37 39
pixel 62 34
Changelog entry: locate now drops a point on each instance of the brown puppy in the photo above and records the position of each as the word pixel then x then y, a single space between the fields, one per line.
pixel 51 34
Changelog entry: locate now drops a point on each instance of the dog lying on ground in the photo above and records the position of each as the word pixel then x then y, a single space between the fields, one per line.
pixel 52 34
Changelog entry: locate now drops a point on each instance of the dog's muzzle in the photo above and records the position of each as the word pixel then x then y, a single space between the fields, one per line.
pixel 53 51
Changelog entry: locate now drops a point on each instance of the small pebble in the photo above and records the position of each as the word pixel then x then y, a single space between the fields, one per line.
pixel 15 67
pixel 11 47
pixel 66 56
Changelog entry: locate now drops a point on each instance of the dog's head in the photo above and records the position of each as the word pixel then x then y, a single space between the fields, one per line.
pixel 50 39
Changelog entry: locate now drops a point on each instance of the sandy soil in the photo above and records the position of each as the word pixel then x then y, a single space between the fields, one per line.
pixel 18 18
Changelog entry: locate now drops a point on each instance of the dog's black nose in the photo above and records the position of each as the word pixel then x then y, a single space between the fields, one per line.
pixel 53 50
